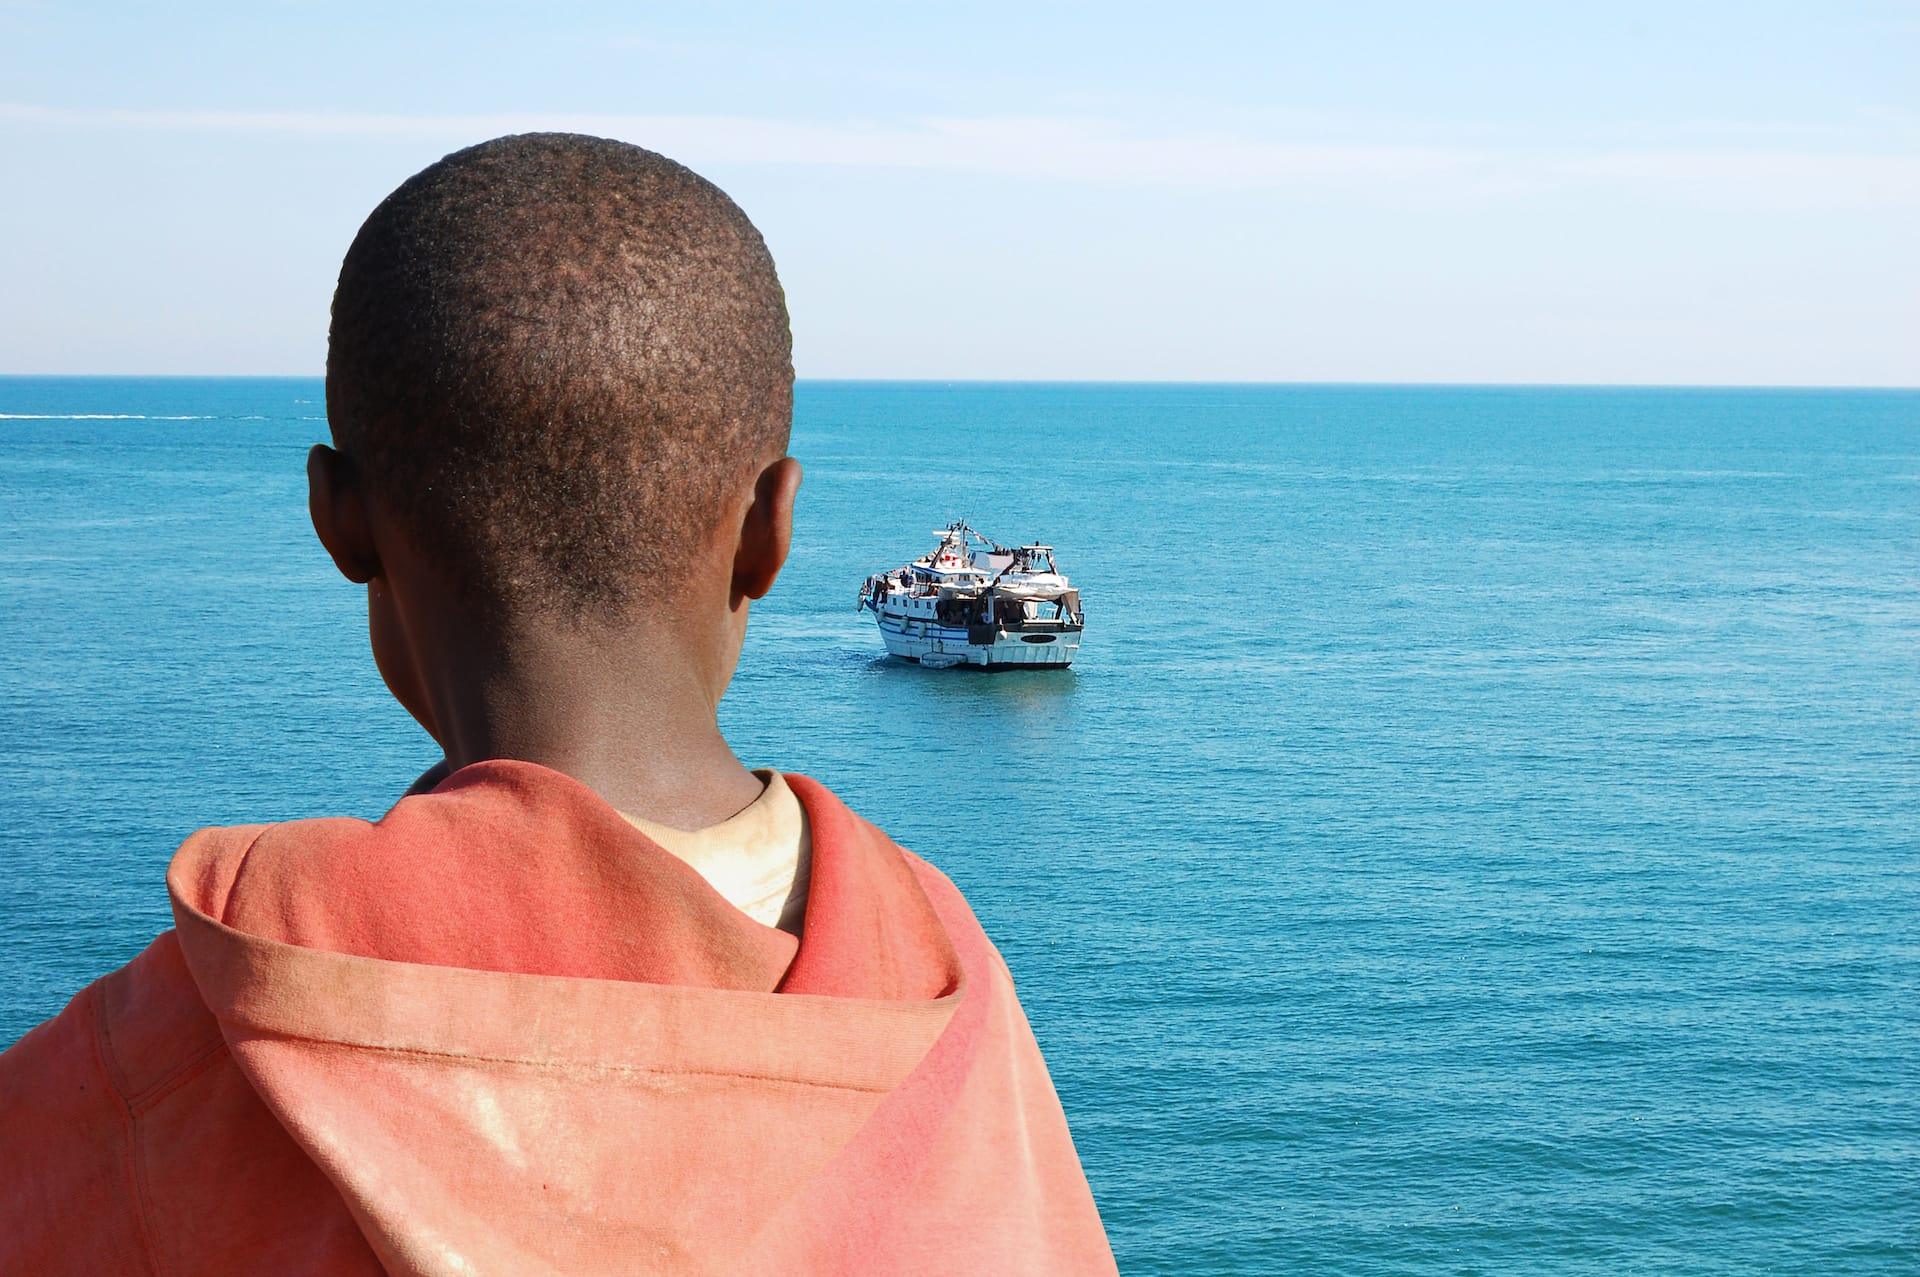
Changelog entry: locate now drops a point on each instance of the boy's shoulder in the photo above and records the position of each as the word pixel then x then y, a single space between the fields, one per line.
pixel 73 1091
pixel 130 1038
pixel 823 805
pixel 131 1133
pixel 123 1040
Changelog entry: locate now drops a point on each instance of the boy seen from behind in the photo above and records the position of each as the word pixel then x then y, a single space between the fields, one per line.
pixel 594 997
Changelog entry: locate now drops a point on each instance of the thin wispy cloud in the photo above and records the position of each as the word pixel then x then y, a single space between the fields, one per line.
pixel 1101 151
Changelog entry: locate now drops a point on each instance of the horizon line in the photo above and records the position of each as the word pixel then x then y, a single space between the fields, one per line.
pixel 1464 384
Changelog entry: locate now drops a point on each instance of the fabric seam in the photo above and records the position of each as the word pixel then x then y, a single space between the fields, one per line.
pixel 191 1068
pixel 131 1164
pixel 565 1065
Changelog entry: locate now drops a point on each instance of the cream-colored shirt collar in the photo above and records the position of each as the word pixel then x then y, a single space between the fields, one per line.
pixel 758 858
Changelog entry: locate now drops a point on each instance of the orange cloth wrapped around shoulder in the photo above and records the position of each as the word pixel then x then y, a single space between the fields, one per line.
pixel 500 1031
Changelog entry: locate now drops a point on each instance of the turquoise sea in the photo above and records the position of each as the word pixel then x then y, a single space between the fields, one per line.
pixel 1481 834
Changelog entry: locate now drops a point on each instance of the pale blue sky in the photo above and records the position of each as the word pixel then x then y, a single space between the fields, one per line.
pixel 1621 192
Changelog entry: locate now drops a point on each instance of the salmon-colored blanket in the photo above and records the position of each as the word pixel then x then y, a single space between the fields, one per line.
pixel 501 1032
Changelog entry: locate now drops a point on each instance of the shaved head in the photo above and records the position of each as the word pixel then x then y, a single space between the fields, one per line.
pixel 553 358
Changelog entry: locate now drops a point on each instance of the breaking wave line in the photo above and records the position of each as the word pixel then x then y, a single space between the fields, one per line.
pixel 100 416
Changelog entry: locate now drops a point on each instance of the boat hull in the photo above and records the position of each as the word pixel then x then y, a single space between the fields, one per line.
pixel 940 646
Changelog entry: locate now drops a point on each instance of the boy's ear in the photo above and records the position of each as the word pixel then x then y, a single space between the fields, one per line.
pixel 338 506
pixel 767 533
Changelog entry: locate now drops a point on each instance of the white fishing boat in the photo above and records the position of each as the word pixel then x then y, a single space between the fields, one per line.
pixel 978 603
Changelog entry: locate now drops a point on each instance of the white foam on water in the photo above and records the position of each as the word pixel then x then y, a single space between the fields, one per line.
pixel 102 416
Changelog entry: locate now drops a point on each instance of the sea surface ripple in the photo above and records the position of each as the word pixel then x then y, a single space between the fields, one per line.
pixel 1479 835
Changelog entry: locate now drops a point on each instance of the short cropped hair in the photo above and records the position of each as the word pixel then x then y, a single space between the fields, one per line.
pixel 550 357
